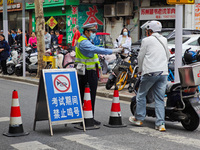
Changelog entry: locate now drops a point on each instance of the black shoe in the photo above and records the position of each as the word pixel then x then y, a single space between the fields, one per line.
pixel 97 122
pixel 5 73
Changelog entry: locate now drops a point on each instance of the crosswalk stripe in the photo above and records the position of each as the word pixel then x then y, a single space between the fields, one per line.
pixel 2 119
pixel 93 142
pixel 33 145
pixel 167 136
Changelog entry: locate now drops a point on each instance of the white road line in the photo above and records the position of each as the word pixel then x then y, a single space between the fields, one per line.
pixel 167 136
pixel 94 142
pixel 2 119
pixel 33 145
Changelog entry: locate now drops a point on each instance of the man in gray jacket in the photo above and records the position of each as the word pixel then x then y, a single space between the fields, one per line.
pixel 153 66
pixel 47 39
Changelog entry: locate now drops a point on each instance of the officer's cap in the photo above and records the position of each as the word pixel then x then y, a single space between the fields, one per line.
pixel 91 27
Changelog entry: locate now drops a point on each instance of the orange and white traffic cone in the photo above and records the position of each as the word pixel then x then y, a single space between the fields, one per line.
pixel 87 111
pixel 15 126
pixel 115 120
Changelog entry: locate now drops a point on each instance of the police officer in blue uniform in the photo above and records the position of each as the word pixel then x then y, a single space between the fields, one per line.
pixel 86 53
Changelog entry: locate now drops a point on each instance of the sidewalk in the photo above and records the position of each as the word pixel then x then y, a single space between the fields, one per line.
pixel 101 90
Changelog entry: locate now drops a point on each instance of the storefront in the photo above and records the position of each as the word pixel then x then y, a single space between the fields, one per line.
pixel 14 15
pixel 61 15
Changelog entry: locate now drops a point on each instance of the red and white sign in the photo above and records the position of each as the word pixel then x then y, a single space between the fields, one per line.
pixel 61 83
pixel 197 16
pixel 162 13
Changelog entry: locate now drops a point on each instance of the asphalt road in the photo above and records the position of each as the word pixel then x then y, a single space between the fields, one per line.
pixel 69 138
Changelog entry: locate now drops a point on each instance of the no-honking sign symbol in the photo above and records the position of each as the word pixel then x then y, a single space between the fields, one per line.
pixel 61 83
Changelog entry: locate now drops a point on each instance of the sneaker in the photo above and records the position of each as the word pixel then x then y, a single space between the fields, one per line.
pixel 133 120
pixel 161 128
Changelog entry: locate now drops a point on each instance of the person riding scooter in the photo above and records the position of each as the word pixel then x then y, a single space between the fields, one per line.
pixel 153 66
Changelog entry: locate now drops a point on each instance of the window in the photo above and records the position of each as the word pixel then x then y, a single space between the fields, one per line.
pixel 172 40
pixel 194 43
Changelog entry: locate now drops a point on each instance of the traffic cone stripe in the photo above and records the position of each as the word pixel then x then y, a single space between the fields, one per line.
pixel 15 112
pixel 115 114
pixel 87 105
pixel 15 121
pixel 116 93
pixel 88 114
pixel 15 102
pixel 115 107
pixel 115 100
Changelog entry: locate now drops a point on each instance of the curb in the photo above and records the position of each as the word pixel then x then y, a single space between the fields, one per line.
pixel 35 81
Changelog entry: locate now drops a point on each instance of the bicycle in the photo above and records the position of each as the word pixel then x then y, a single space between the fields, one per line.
pixel 128 71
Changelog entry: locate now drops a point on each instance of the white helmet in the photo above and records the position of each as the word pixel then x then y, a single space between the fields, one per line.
pixel 155 26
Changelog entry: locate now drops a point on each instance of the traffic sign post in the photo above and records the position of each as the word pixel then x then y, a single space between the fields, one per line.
pixel 180 2
pixel 58 98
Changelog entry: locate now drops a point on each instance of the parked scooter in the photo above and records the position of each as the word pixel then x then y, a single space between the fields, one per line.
pixel 182 105
pixel 31 62
pixel 14 58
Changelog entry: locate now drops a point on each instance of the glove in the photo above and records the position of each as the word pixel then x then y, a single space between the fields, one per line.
pixel 117 50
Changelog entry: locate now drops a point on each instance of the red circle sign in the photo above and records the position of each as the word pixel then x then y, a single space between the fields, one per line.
pixel 60 82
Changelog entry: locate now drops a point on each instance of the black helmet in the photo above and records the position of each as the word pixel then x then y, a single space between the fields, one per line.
pixel 189 56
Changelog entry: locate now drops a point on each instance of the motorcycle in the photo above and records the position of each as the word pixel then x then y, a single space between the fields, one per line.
pixel 31 62
pixel 182 105
pixel 107 63
pixel 63 56
pixel 14 58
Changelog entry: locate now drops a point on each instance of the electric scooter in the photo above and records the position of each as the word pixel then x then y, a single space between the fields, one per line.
pixel 182 104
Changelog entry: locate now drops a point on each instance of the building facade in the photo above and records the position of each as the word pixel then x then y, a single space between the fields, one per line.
pixel 61 15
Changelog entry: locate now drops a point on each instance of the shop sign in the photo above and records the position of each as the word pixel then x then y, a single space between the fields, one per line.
pixel 8 2
pixel 47 3
pixel 164 13
pixel 90 14
pixel 12 7
pixel 197 16
pixel 180 1
pixel 52 22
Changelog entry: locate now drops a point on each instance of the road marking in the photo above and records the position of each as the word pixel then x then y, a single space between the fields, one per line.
pixel 167 136
pixel 33 145
pixel 94 142
pixel 2 119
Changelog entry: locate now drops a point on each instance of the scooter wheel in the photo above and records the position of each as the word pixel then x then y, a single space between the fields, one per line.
pixel 10 69
pixel 109 84
pixel 133 105
pixel 192 121
pixel 18 72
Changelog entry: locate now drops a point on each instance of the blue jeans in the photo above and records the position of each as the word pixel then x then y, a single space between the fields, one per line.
pixel 157 84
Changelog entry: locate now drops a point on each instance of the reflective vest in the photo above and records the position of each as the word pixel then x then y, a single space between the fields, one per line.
pixel 90 63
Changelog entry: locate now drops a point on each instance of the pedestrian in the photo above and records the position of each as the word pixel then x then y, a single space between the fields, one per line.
pixel 153 66
pixel 33 41
pixel 88 62
pixel 13 33
pixel 10 38
pixel 77 34
pixel 18 37
pixel 60 37
pixel 124 40
pixel 47 39
pixel 54 38
pixel 4 53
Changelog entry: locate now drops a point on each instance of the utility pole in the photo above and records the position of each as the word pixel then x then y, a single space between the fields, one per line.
pixel 5 20
pixel 40 29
